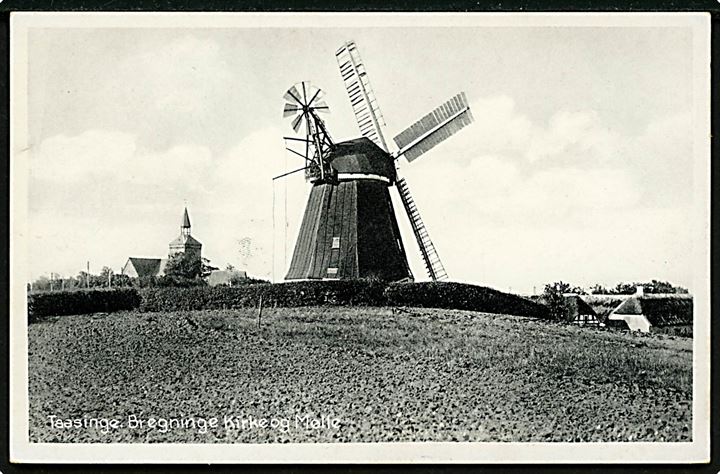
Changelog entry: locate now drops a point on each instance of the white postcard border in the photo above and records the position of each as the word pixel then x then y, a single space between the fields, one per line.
pixel 21 450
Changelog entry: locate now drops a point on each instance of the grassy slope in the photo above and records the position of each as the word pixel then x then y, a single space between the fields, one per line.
pixel 434 375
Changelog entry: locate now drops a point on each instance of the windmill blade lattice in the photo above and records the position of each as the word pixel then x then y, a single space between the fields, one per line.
pixel 302 101
pixel 362 98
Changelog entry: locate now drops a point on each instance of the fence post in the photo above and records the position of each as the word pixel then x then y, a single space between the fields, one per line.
pixel 260 307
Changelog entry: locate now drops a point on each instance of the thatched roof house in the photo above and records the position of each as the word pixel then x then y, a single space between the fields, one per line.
pixel 574 310
pixel 649 312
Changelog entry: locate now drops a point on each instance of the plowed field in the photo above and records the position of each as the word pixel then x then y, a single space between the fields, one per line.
pixel 351 374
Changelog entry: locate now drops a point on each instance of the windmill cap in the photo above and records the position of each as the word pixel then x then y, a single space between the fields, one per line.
pixel 362 156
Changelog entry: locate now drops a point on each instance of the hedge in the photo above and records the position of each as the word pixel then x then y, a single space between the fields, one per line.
pixel 449 295
pixel 60 303
pixel 302 293
pixel 444 295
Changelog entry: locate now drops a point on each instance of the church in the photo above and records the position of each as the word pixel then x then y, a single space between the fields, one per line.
pixel 137 267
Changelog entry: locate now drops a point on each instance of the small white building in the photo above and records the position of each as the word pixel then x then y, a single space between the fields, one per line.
pixel 225 277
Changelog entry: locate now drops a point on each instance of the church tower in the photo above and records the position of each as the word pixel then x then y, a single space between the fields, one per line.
pixel 186 243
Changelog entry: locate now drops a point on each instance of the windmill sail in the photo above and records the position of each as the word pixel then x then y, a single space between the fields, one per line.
pixel 362 98
pixel 433 265
pixel 434 128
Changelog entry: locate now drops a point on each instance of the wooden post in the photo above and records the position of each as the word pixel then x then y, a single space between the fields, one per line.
pixel 260 306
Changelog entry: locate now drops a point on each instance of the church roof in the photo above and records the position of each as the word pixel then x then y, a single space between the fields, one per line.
pixel 145 267
pixel 185 219
pixel 188 240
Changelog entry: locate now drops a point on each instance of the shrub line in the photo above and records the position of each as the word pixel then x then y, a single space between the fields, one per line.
pixel 442 295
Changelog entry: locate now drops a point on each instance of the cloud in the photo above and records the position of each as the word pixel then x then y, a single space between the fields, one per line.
pixel 179 76
pixel 499 126
pixel 102 186
pixel 510 200
pixel 568 133
pixel 116 157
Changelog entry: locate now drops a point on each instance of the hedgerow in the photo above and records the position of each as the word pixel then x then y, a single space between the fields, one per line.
pixel 60 303
pixel 449 295
pixel 303 293
pixel 444 295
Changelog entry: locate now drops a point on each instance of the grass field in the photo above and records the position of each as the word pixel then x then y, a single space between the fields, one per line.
pixel 351 374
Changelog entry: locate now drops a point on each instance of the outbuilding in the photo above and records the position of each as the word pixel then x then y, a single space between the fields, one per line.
pixel 225 277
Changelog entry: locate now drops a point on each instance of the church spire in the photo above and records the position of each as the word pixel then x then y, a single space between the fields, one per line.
pixel 185 225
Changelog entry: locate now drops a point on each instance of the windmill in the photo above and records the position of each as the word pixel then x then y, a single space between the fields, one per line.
pixel 349 229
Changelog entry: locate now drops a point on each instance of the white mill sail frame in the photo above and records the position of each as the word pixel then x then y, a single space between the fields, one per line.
pixel 419 138
pixel 362 98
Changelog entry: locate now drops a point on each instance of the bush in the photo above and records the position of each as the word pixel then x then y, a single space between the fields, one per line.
pixel 60 303
pixel 450 295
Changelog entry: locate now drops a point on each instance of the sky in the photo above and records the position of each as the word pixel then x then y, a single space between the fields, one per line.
pixel 578 167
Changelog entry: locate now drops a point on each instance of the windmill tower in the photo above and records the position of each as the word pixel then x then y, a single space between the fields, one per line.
pixel 349 229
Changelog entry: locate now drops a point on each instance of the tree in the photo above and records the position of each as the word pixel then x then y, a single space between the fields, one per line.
pixel 181 265
pixel 69 283
pixel 562 287
pixel 83 279
pixel 553 298
pixel 206 269
pixel 624 289
pixel 653 287
pixel 41 283
pixel 185 270
pixel 120 281
pixel 106 274
pixel 656 286
pixel 598 289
